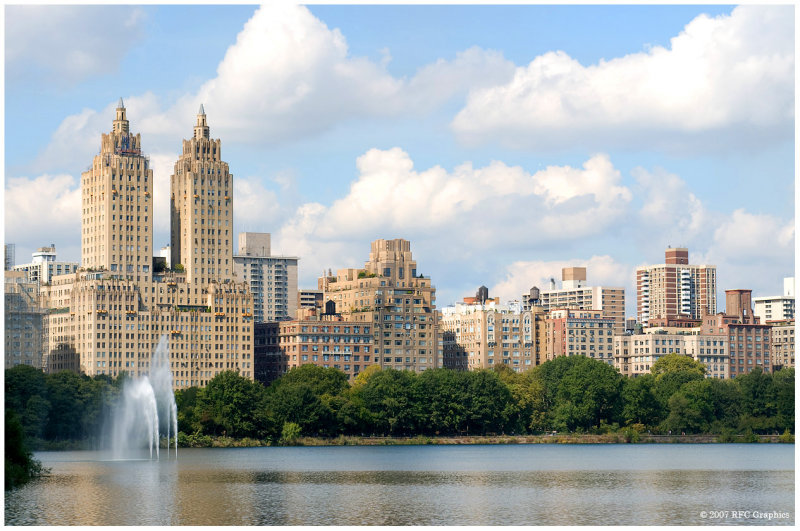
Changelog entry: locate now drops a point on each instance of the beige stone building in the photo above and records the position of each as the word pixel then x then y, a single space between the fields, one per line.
pixel 577 332
pixel 782 343
pixel 635 355
pixel 399 303
pixel 480 335
pixel 675 288
pixel 574 293
pixel 108 317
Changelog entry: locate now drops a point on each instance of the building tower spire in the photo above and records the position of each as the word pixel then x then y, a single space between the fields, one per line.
pixel 121 124
pixel 201 129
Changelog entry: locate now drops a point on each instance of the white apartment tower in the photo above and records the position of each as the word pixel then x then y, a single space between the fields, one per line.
pixel 272 279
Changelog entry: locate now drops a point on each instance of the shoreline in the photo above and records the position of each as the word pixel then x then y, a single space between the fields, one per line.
pixel 226 442
pixel 344 440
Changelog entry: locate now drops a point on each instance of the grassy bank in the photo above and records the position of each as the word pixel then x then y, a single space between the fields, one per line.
pixel 622 438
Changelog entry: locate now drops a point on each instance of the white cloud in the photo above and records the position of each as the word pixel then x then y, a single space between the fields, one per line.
pixel 521 276
pixel 288 75
pixel 721 81
pixel 43 210
pixel 467 212
pixel 66 44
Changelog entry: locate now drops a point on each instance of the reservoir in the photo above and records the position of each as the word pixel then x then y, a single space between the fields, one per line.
pixel 536 484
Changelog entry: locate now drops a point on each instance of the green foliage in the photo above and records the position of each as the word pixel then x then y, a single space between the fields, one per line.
pixel 20 466
pixel 179 268
pixel 786 437
pixel 640 405
pixel 290 433
pixel 677 363
pixel 588 392
pixel 574 394
pixel 229 405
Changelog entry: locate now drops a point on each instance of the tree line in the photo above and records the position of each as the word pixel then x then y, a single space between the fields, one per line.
pixel 568 394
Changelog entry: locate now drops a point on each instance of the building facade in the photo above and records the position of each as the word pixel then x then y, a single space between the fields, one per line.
pixel 776 308
pixel 480 335
pixel 272 279
pixel 782 343
pixel 574 293
pixel 328 341
pixel 675 288
pixel 309 299
pixel 9 251
pixel 24 321
pixel 269 362
pixel 398 303
pixel 635 355
pixel 750 342
pixel 576 332
pixel 44 266
pixel 108 317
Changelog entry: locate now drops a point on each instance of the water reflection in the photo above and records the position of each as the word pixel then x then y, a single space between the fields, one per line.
pixel 293 486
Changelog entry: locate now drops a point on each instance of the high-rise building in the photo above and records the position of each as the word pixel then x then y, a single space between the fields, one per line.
pixel 481 334
pixel 675 288
pixel 108 317
pixel 749 341
pixel 44 266
pixel 272 279
pixel 202 209
pixel 9 250
pixel 576 332
pixel 776 308
pixel 574 293
pixel 398 303
pixel 24 321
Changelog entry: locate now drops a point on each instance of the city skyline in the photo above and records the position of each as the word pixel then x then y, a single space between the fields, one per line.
pixel 338 132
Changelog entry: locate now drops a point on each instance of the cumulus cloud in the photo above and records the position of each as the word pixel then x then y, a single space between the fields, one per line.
pixel 467 212
pixel 286 76
pixel 521 276
pixel 67 44
pixel 44 209
pixel 722 81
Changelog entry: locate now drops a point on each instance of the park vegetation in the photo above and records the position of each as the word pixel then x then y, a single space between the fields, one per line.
pixel 566 395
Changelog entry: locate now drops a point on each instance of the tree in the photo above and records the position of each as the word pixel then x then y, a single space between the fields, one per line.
pixel 691 408
pixel 640 405
pixel 782 395
pixel 677 363
pixel 230 403
pixel 20 466
pixel 21 383
pixel 387 398
pixel 321 380
pixel 758 410
pixel 588 393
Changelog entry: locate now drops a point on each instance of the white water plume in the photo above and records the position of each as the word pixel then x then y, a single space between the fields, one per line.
pixel 147 409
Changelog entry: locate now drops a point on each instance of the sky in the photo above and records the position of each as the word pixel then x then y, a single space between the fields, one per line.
pixel 505 142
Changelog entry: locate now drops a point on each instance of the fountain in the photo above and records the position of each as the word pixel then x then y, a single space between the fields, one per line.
pixel 146 409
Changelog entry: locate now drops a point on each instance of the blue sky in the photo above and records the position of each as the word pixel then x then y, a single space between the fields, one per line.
pixel 504 141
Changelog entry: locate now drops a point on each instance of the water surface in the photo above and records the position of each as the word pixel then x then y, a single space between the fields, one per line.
pixel 658 484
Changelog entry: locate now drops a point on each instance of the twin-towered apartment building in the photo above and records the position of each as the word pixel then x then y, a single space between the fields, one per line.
pixel 243 312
